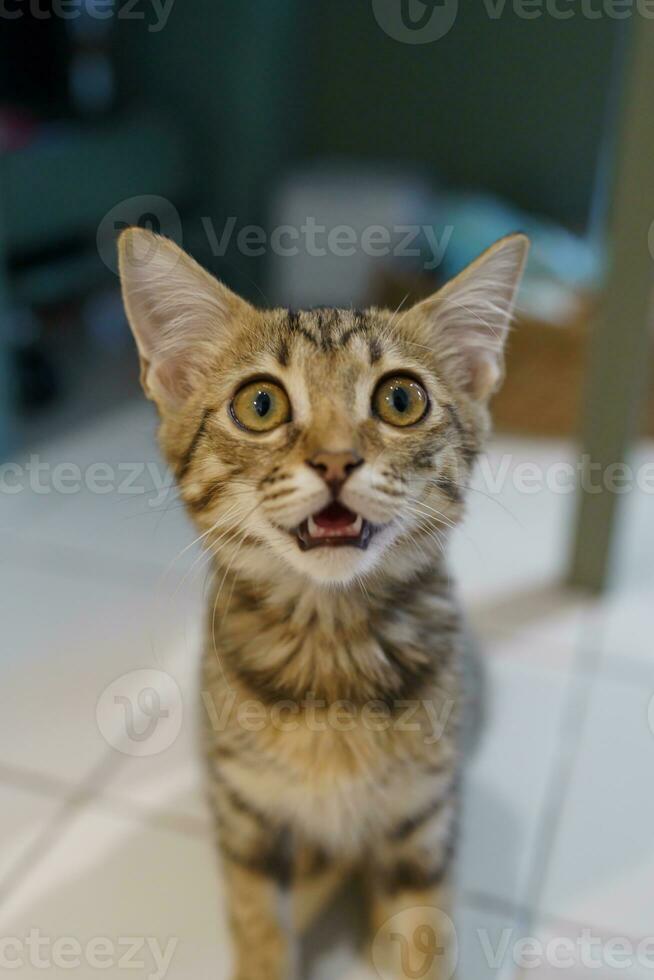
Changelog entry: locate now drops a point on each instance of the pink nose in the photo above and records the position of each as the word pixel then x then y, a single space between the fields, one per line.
pixel 335 467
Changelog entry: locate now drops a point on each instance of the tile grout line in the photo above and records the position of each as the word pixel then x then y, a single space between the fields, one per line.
pixel 517 913
pixel 73 800
pixel 33 781
pixel 42 784
pixel 584 678
pixel 605 932
pixel 69 804
pixel 482 901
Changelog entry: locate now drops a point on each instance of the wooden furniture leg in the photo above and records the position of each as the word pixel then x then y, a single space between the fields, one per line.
pixel 620 341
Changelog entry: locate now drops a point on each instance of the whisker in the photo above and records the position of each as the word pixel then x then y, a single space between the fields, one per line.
pixel 437 513
pixel 457 527
pixel 208 551
pixel 467 488
pixel 219 591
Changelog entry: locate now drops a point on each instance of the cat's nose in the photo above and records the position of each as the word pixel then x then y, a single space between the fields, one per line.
pixel 335 467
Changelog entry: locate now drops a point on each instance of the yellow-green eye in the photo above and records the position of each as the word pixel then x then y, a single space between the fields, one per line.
pixel 400 401
pixel 261 406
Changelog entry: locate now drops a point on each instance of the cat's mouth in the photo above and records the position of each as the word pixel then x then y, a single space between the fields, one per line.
pixel 332 527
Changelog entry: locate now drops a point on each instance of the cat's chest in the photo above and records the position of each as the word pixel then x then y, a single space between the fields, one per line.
pixel 333 718
pixel 343 775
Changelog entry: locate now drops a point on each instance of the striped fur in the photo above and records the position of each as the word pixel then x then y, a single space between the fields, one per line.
pixel 330 679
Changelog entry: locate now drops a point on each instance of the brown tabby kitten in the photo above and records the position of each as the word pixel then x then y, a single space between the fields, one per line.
pixel 324 456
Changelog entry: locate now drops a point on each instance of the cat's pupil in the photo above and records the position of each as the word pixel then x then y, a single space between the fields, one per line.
pixel 262 403
pixel 400 399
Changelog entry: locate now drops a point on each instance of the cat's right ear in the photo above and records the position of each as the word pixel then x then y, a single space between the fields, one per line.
pixel 179 314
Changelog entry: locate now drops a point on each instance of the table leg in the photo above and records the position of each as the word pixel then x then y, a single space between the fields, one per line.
pixel 620 340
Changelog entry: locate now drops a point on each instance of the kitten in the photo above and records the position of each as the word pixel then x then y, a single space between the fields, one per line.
pixel 324 457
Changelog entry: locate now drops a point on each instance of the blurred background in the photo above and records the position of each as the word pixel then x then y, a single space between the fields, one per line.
pixel 346 154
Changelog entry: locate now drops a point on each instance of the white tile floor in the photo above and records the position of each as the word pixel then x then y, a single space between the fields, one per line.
pixel 100 845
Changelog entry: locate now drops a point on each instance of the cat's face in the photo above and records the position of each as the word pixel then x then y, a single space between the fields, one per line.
pixel 331 443
pixel 331 437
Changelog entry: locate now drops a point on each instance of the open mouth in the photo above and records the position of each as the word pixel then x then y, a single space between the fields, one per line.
pixel 334 526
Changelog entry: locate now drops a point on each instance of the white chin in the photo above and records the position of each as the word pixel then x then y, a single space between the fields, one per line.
pixel 336 566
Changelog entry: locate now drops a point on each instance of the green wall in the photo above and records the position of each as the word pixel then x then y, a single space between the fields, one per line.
pixel 513 106
pixel 229 71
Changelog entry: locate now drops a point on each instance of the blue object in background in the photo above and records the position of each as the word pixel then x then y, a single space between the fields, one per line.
pixel 478 220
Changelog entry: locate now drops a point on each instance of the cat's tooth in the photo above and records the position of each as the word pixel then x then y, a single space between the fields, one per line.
pixel 313 528
pixel 350 531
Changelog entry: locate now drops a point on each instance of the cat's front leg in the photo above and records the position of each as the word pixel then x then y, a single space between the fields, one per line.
pixel 256 865
pixel 413 935
pixel 259 941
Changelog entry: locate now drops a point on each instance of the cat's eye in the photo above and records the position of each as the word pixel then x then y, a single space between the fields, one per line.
pixel 400 401
pixel 261 406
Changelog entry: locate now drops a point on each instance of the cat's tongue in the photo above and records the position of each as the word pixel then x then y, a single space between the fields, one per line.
pixel 332 526
pixel 335 517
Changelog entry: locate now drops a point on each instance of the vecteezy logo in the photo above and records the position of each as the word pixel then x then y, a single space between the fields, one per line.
pixel 149 706
pixel 414 942
pixel 416 21
pixel 148 211
pixel 140 713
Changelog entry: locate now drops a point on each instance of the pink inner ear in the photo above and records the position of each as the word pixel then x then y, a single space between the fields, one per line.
pixel 484 375
pixel 168 378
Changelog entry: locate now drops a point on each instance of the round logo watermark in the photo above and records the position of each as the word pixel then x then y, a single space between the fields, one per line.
pixel 418 942
pixel 416 21
pixel 141 712
pixel 149 211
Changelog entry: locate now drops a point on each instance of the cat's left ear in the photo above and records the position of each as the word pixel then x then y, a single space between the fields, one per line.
pixel 467 322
